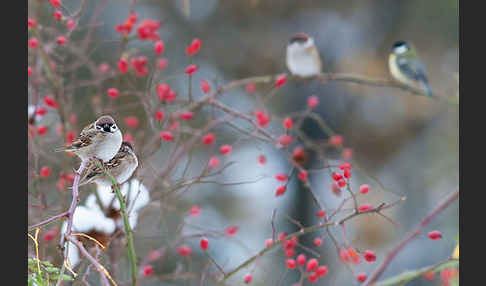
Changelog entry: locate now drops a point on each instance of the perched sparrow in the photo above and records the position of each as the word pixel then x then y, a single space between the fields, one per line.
pixel 121 167
pixel 405 66
pixel 302 56
pixel 100 139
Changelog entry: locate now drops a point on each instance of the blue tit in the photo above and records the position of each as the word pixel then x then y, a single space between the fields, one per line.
pixel 405 66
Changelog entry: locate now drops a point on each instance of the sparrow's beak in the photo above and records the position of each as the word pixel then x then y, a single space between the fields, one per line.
pixel 106 127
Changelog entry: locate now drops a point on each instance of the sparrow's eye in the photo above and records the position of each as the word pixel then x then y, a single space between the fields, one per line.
pixel 113 127
pixel 98 127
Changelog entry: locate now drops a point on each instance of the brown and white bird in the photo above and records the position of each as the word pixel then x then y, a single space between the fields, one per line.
pixel 101 139
pixel 121 167
pixel 302 57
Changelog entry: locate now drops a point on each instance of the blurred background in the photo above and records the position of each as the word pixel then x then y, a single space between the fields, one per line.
pixel 408 143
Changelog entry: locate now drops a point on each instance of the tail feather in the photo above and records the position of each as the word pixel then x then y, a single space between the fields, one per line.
pixel 427 87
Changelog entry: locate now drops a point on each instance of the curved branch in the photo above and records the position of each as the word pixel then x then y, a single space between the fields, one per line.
pixel 452 197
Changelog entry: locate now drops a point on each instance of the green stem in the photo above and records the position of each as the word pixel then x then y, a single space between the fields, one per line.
pixel 128 231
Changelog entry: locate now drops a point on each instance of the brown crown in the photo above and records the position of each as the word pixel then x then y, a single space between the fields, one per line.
pixel 299 37
pixel 104 120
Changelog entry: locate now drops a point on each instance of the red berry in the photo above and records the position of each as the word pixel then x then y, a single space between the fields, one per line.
pixel 336 176
pixel 302 176
pixel 191 69
pixel 301 259
pixel 70 136
pixel 347 173
pixel 262 118
pixel 298 155
pixel 262 159
pixel 49 101
pixel 290 252
pixel 285 140
pixel 187 115
pixel 159 47
pixel 288 123
pixel 231 230
pixel 313 278
pixel 147 270
pixel 311 264
pixel 248 277
pixel 162 63
pixel 184 250
pixel 364 189
pixel 347 153
pixel 41 111
pixel 55 3
pixel 312 101
pixel 166 135
pixel 291 264
pixel 123 65
pixel 335 189
pixel 435 235
pixel 195 210
pixel 336 140
pixel 45 171
pixel 31 23
pixel 369 256
pixel 321 271
pixel 343 254
pixel 205 87
pixel 429 275
pixel 194 47
pixel 159 115
pixel 268 242
pixel 204 243
pixel 280 190
pixel 131 121
pixel 208 139
pixel 354 255
pixel 29 71
pixel 57 15
pixel 154 255
pixel 33 42
pixel 345 165
pixel 281 177
pixel 365 207
pixel 128 137
pixel 361 277
pixel 113 92
pixel 70 24
pixel 317 241
pixel 41 130
pixel 213 162
pixel 281 80
pixel 147 30
pixel 341 183
pixel 225 149
pixel 140 66
pixel 250 87
pixel 50 235
pixel 321 213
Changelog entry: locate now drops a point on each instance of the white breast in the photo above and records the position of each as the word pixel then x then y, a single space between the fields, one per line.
pixel 107 148
pixel 303 61
pixel 395 71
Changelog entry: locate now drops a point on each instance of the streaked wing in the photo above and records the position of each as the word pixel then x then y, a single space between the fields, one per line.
pixel 84 139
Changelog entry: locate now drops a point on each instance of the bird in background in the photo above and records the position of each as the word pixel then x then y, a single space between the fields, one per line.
pixel 302 57
pixel 405 66
pixel 121 167
pixel 101 139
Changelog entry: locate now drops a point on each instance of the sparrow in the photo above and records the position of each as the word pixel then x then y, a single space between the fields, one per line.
pixel 406 68
pixel 302 57
pixel 121 167
pixel 101 139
